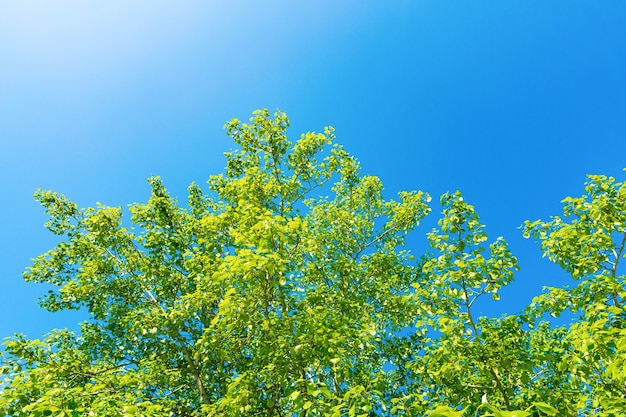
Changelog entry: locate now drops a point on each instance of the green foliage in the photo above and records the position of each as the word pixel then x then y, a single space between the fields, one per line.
pixel 589 244
pixel 260 297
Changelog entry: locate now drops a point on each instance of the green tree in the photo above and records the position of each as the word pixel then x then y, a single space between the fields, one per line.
pixel 586 363
pixel 260 297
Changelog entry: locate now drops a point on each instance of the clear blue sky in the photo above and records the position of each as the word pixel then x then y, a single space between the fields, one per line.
pixel 512 102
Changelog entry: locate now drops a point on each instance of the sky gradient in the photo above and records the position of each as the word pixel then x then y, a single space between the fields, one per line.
pixel 511 102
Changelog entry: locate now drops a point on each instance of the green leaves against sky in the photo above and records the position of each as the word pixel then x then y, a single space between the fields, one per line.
pixel 285 289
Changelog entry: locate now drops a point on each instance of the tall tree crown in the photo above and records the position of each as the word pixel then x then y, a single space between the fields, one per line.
pixel 285 289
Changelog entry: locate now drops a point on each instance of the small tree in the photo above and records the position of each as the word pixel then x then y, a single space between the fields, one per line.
pixel 260 297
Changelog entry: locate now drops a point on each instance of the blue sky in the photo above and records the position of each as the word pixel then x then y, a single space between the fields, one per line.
pixel 511 102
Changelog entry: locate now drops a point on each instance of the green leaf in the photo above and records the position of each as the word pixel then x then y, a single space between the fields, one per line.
pixel 545 408
pixel 444 411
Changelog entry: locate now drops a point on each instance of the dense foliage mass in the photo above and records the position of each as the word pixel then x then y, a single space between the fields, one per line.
pixel 261 298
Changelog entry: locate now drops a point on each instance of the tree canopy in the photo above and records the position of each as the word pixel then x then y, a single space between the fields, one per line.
pixel 285 289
